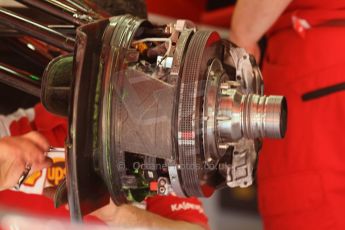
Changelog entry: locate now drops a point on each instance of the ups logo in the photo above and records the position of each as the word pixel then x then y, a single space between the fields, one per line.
pixel 31 180
pixel 56 172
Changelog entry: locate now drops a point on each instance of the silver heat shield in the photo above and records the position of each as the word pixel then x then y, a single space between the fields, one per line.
pixel 143 113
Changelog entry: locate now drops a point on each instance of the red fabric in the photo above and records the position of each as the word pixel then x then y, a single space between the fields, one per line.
pixel 52 127
pixel 301 178
pixel 176 208
pixel 20 127
pixel 314 17
pixel 31 204
pixel 194 10
pixel 220 17
pixel 191 9
pixel 334 5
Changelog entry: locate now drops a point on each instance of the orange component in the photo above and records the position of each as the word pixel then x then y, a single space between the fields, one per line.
pixel 141 47
pixel 153 186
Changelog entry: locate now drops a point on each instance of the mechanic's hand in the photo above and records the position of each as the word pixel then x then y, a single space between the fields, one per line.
pixel 17 152
pixel 113 215
pixel 251 47
pixel 255 51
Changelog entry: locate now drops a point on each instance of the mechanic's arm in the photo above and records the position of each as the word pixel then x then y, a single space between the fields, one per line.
pixel 17 152
pixel 128 216
pixel 252 19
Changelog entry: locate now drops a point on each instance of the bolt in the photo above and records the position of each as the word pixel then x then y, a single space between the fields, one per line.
pixel 234 84
pixel 162 182
pixel 223 146
pixel 224 85
pixel 223 118
pixel 161 190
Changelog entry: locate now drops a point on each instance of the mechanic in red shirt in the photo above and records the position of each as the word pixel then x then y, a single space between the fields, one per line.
pixel 168 212
pixel 301 178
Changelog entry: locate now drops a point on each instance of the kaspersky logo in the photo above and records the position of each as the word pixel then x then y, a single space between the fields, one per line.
pixel 186 206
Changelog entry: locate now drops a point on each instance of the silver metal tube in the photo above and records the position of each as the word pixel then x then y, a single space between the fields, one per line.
pixel 251 116
pixel 36 30
pixel 264 116
pixel 20 80
pixel 60 9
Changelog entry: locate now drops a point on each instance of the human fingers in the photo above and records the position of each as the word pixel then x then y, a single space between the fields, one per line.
pixel 38 139
pixel 17 153
pixel 33 154
pixel 10 174
pixel 254 50
pixel 107 212
pixel 37 166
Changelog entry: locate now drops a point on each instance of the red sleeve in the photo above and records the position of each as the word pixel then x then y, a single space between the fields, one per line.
pixel 177 208
pixel 53 127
